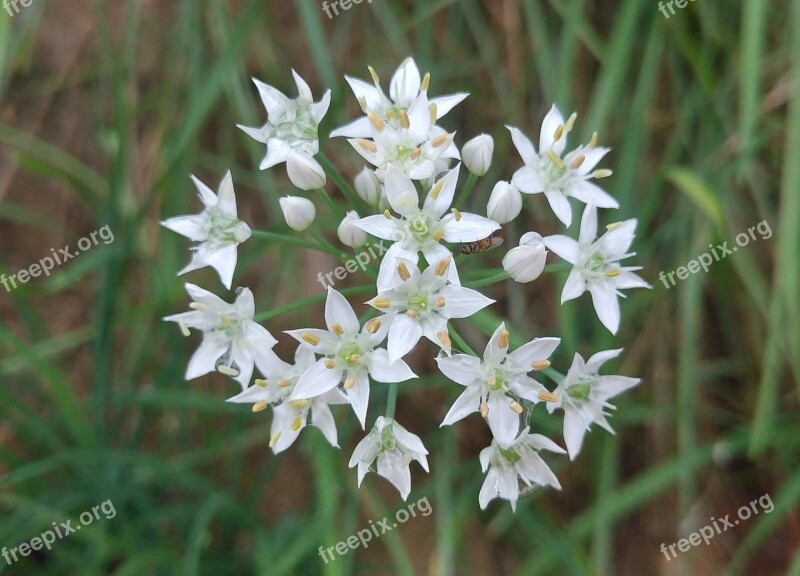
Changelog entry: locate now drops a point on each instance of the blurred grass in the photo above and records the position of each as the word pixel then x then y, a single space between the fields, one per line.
pixel 702 114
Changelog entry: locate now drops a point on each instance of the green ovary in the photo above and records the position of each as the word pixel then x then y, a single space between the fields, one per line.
pixel 579 391
pixel 420 229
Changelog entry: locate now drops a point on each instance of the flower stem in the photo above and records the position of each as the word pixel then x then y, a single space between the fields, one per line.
pixel 342 184
pixel 461 342
pixel 466 190
pixel 301 304
pixel 488 281
pixel 391 400
pixel 337 211
pixel 277 238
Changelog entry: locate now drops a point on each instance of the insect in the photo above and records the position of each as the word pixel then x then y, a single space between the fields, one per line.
pixel 481 246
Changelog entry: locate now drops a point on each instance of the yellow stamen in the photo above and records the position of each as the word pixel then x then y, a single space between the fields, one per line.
pixel 444 338
pixel 613 226
pixel 262 383
pixel 375 77
pixel 299 404
pixel 198 306
pixel 440 302
pixel 363 103
pixel 571 121
pixel 227 370
pixel 274 439
pixel 578 162
pixel 433 109
pixel 558 133
pixel 437 189
pixel 310 338
pixel 330 364
pixel 349 383
pixel 442 267
pixel 297 424
pixel 337 329
pixel 405 121
pixel 284 383
pixel 376 122
pixel 411 313
pixel 441 140
pixel 540 364
pixel 368 146
pixel 547 397
pixel 415 154
pixel 602 173
pixel 402 270
pixel 184 329
pixel 387 214
pixel 438 235
pixel 484 409
pixel 354 358
pixel 502 342
pixel 373 325
pixel 555 159
pixel 391 114
pixel 516 407
pixel 382 303
pixel 593 143
pixel 426 82
pixel 492 382
pixel 456 213
pixel 612 273
pixel 260 406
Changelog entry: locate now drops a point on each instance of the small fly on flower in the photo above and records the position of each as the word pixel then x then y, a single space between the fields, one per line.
pixel 484 245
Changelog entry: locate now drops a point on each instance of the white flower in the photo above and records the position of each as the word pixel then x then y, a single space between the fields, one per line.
pixel 217 230
pixel 231 339
pixel 477 154
pixel 596 265
pixel 394 447
pixel 422 229
pixel 495 385
pixel 305 172
pixel 298 212
pixel 583 396
pixel 405 88
pixel 368 187
pixel 292 131
pixel 423 303
pixel 560 178
pixel 291 416
pixel 505 203
pixel 519 460
pixel 525 263
pixel 414 146
pixel 349 355
pixel 349 234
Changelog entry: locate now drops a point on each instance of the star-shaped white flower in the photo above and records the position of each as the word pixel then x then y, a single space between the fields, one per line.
pixel 519 460
pixel 423 303
pixel 291 133
pixel 422 229
pixel 394 447
pixel 495 385
pixel 231 339
pixel 596 266
pixel 217 230
pixel 291 416
pixel 349 354
pixel 560 178
pixel 584 396
pixel 404 90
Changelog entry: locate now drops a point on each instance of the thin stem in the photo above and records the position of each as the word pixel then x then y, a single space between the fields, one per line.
pixel 342 184
pixel 466 190
pixel 493 279
pixel 300 304
pixel 337 211
pixel 391 400
pixel 277 238
pixel 456 337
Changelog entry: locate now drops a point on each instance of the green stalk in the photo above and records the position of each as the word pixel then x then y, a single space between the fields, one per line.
pixel 465 191
pixel 391 400
pixel 342 184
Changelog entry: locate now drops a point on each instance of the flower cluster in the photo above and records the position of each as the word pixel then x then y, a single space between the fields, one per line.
pixel 409 190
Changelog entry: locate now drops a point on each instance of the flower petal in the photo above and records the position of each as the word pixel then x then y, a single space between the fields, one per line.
pixel 316 381
pixel 339 311
pixel 404 334
pixel 462 368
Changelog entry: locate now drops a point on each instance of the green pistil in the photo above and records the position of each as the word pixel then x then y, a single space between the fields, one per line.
pixel 347 352
pixel 387 439
pixel 511 455
pixel 420 229
pixel 419 303
pixel 580 391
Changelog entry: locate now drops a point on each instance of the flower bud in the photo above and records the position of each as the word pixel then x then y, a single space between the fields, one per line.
pixel 305 172
pixel 477 154
pixel 349 234
pixel 505 203
pixel 298 212
pixel 526 262
pixel 368 187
